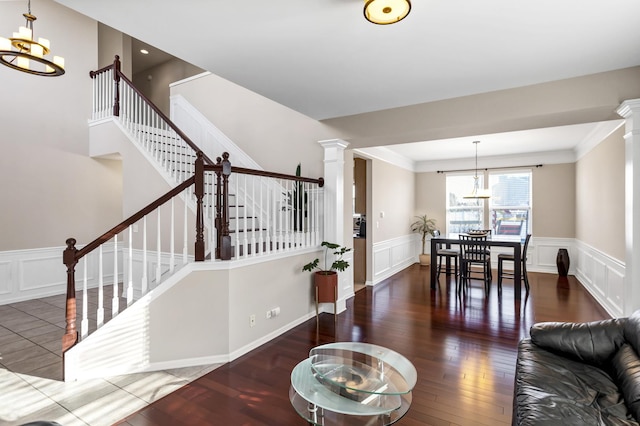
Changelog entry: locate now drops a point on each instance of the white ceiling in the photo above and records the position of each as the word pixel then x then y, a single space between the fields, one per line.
pixel 323 59
pixel 528 147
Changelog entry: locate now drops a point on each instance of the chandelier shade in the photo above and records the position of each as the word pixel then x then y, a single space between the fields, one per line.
pixel 385 12
pixel 477 192
pixel 24 53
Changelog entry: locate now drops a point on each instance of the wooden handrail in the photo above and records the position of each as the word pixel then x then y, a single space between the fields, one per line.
pixel 117 76
pixel 133 218
pixel 242 170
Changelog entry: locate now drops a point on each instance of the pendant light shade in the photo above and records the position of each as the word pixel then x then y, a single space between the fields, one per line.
pixel 477 192
pixel 384 12
pixel 24 53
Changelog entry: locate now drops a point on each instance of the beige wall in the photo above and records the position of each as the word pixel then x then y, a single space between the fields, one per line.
pixel 577 100
pixel 275 136
pixel 393 190
pixel 111 43
pixel 431 197
pixel 51 189
pixel 600 200
pixel 554 197
pixel 554 201
pixel 154 82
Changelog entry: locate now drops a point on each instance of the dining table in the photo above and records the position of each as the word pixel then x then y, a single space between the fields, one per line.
pixel 490 241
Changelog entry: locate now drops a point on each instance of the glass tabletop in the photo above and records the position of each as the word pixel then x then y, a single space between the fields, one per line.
pixel 347 381
pixel 362 368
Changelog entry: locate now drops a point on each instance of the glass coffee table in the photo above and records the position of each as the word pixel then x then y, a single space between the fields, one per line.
pixel 352 383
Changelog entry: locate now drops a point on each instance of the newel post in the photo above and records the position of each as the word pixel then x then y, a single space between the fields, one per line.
pixel 70 337
pixel 199 193
pixel 116 79
pixel 218 207
pixel 225 243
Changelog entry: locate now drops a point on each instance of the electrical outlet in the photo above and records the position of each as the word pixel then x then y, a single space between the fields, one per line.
pixel 252 320
pixel 268 314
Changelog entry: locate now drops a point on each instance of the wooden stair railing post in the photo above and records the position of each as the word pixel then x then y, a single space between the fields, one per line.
pixel 225 244
pixel 218 222
pixel 70 337
pixel 199 193
pixel 116 79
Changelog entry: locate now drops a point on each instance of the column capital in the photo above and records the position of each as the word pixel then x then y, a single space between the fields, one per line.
pixel 628 108
pixel 333 149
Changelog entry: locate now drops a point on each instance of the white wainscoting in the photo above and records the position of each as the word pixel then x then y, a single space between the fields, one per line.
pixel 392 256
pixel 36 273
pixel 603 276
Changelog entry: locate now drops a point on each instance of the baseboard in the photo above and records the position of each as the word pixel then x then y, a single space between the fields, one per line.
pixel 268 337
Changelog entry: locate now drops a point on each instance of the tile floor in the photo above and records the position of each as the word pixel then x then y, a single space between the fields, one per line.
pixel 31 386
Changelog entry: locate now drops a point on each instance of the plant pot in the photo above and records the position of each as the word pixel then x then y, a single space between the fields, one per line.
pixel 425 259
pixel 326 286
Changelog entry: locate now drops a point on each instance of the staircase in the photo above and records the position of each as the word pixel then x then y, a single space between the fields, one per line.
pixel 237 213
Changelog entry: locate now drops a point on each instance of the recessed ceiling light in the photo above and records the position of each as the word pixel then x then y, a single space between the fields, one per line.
pixel 144 51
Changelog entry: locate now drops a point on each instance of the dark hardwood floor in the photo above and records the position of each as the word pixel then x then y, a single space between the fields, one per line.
pixel 464 350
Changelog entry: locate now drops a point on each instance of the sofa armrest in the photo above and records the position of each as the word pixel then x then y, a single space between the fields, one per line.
pixel 592 342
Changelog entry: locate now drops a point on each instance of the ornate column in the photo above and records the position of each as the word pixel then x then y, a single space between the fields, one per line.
pixel 333 229
pixel 630 111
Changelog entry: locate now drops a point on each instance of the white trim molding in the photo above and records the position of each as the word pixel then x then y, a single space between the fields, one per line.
pixel 392 256
pixel 603 276
pixel 37 273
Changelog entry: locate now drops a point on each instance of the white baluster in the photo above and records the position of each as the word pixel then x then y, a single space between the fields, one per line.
pixel 172 256
pixel 159 264
pixel 130 281
pixel 254 249
pixel 287 224
pixel 84 324
pixel 245 240
pixel 237 208
pixel 260 211
pixel 267 225
pixel 145 280
pixel 281 213
pixel 100 311
pixel 185 247
pixel 306 215
pixel 115 300
pixel 214 240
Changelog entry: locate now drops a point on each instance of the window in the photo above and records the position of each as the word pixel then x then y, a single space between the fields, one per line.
pixel 509 212
pixel 463 214
pixel 510 203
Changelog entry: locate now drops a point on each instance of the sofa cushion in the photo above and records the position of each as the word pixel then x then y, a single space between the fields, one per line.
pixel 632 330
pixel 626 365
pixel 593 342
pixel 553 389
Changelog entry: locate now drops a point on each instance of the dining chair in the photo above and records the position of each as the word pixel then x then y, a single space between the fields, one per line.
pixel 510 274
pixel 474 254
pixel 479 233
pixel 448 255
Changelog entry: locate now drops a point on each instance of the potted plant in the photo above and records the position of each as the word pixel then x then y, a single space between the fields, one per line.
pixel 326 278
pixel 425 226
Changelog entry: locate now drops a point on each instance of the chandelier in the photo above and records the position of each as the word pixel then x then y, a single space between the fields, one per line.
pixel 23 53
pixel 386 12
pixel 477 192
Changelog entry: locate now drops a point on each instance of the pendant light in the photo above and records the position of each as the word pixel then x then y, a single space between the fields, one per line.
pixel 477 192
pixel 23 53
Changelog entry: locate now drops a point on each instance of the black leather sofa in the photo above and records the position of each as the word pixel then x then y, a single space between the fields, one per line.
pixel 579 374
